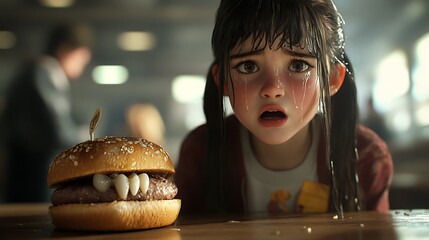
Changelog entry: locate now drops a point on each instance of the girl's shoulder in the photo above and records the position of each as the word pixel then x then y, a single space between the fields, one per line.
pixel 197 138
pixel 375 161
pixel 375 168
pixel 369 143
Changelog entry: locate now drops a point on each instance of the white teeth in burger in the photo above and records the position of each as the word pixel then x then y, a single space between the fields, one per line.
pixel 122 186
pixel 134 183
pixel 122 183
pixel 144 182
pixel 101 182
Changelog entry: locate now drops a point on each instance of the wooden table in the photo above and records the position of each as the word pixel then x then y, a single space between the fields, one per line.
pixel 32 221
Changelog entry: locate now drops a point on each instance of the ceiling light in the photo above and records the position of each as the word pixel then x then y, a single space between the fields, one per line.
pixel 110 74
pixel 136 41
pixel 392 80
pixel 188 88
pixel 57 3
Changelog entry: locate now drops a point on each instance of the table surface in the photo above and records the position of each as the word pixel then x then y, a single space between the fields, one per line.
pixel 32 221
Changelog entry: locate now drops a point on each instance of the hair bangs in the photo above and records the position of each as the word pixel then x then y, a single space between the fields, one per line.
pixel 291 22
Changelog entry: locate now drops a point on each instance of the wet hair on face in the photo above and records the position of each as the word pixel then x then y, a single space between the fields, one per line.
pixel 317 27
pixel 311 24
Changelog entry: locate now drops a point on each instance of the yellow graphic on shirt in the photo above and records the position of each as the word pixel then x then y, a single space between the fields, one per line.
pixel 313 198
pixel 278 201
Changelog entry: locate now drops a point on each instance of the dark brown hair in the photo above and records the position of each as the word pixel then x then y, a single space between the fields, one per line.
pixel 315 25
pixel 73 35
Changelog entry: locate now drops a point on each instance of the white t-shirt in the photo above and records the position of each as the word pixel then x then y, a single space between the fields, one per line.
pixel 262 183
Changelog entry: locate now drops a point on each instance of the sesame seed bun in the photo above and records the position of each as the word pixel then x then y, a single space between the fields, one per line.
pixel 109 155
pixel 115 216
pixel 105 156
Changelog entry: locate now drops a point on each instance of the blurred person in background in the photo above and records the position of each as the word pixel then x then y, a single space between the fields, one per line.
pixel 145 121
pixel 37 121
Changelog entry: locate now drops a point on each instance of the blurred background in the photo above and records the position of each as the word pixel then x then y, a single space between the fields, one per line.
pixel 158 51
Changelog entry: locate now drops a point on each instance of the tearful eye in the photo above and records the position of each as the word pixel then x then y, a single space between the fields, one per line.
pixel 247 67
pixel 299 66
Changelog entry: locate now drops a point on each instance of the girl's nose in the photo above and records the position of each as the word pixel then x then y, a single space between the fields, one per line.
pixel 273 88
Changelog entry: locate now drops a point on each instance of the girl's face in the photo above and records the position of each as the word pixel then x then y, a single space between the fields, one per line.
pixel 274 92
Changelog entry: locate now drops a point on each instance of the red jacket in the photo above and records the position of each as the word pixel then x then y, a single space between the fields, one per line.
pixel 375 169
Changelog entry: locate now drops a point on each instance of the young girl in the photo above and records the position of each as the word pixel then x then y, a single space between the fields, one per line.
pixel 293 144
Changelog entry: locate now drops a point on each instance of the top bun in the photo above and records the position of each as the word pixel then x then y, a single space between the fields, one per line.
pixel 109 155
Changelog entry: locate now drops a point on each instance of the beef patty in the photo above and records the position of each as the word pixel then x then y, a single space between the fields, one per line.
pixel 84 192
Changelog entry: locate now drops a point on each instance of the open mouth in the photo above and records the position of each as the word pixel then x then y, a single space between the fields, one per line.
pixel 272 115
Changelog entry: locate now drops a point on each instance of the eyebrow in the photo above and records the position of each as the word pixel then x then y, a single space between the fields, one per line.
pixel 259 51
pixel 245 54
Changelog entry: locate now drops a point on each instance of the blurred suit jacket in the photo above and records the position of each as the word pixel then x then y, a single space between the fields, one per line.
pixel 36 125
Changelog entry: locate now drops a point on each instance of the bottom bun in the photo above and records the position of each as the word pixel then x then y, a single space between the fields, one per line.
pixel 115 216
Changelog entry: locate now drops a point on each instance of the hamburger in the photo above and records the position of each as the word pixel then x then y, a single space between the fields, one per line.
pixel 113 184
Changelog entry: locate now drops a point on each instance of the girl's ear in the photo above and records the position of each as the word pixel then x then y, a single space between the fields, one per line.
pixel 337 78
pixel 215 75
